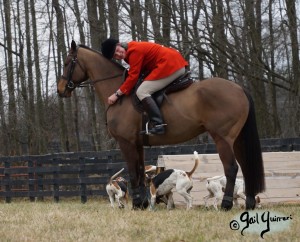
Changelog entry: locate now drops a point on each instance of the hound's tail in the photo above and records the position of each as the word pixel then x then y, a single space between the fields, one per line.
pixel 115 175
pixel 214 178
pixel 150 168
pixel 197 160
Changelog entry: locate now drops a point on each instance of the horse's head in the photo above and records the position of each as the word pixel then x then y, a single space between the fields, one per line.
pixel 73 73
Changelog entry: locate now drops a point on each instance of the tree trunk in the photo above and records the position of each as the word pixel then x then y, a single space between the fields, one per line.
pixel 220 39
pixel 4 134
pixel 295 85
pixel 272 89
pixel 166 21
pixel 154 20
pixel 23 99
pixel 76 101
pixel 39 134
pixel 113 18
pixel 253 24
pixel 12 112
pixel 61 54
pixel 31 108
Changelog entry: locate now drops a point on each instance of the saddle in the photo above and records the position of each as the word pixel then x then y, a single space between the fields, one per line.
pixel 178 84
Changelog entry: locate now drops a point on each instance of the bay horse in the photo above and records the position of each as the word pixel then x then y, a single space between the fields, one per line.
pixel 217 106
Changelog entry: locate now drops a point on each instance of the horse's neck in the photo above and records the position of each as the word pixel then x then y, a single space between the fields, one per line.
pixel 101 71
pixel 107 87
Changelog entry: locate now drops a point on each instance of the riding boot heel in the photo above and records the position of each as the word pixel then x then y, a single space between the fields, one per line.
pixel 155 117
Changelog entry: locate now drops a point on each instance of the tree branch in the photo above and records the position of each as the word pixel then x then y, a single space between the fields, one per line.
pixel 15 53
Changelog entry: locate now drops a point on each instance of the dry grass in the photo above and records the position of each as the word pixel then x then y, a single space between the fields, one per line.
pixel 96 221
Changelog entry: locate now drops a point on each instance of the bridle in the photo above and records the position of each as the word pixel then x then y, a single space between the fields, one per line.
pixel 70 86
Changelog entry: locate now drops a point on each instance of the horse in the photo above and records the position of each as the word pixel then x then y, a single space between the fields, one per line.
pixel 218 106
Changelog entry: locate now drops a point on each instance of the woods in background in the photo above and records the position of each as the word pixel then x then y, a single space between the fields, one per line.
pixel 253 43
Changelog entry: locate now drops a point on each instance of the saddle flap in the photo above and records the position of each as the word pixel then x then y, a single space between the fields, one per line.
pixel 178 84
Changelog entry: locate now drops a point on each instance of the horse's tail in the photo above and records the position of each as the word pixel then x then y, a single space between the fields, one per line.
pixel 252 164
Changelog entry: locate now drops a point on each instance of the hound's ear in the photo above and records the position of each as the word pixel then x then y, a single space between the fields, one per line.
pixel 73 45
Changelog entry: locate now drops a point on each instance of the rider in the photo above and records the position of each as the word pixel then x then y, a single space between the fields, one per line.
pixel 161 64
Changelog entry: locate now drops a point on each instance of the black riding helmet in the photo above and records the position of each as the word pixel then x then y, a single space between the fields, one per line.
pixel 108 47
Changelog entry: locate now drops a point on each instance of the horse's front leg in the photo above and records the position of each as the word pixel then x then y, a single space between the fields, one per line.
pixel 134 156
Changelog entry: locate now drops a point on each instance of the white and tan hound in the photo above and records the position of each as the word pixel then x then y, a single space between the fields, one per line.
pixel 216 185
pixel 117 189
pixel 164 182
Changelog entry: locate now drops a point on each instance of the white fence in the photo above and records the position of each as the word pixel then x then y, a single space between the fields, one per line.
pixel 282 171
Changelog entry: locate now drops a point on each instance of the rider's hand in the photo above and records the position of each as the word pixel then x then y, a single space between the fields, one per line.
pixel 112 99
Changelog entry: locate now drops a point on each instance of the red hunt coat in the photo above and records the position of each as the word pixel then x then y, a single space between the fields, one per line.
pixel 156 60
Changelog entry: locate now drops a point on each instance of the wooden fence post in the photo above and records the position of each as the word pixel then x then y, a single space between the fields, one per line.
pixel 82 182
pixel 31 181
pixel 7 179
pixel 39 178
pixel 55 180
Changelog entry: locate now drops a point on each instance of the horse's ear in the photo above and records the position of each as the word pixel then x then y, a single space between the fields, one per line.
pixel 73 45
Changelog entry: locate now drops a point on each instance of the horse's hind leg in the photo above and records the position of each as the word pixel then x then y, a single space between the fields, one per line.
pixel 230 169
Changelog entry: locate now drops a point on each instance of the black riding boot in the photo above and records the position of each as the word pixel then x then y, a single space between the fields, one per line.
pixel 154 115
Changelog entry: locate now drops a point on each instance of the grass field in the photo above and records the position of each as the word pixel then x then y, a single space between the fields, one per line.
pixel 96 221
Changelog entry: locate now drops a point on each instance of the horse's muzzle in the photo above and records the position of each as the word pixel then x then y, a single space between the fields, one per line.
pixel 64 94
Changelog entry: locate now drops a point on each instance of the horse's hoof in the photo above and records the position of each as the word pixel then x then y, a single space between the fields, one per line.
pixel 139 204
pixel 139 198
pixel 226 205
pixel 145 204
pixel 250 203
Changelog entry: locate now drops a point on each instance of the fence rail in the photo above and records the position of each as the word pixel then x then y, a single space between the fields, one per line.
pixel 86 173
pixel 58 175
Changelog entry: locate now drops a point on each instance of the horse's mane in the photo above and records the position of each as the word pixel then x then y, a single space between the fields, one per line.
pixel 86 47
pixel 98 52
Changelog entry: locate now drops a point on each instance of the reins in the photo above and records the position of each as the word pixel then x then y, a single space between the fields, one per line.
pixel 71 85
pixel 92 82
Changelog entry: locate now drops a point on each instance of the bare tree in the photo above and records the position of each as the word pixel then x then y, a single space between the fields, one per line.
pixel 61 55
pixel 153 14
pixel 112 16
pixel 218 35
pixel 30 80
pixel 4 135
pixel 23 105
pixel 12 112
pixel 39 116
pixel 166 21
pixel 295 85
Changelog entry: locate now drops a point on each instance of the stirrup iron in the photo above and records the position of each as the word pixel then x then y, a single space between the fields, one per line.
pixel 147 132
